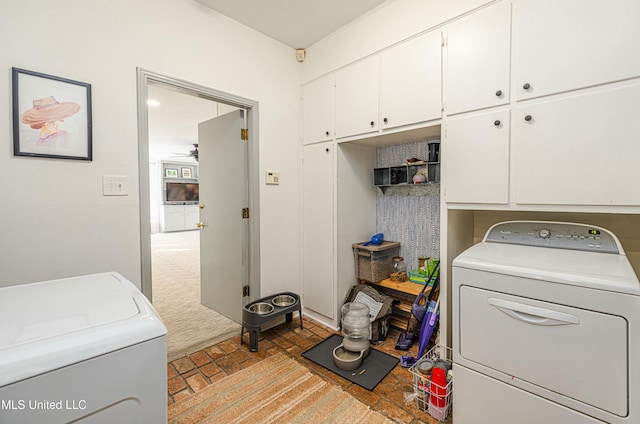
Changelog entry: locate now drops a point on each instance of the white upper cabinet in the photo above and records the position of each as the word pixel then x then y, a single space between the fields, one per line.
pixel 411 82
pixel 475 158
pixel 398 87
pixel 317 110
pixel 570 44
pixel 581 150
pixel 478 60
pixel 357 98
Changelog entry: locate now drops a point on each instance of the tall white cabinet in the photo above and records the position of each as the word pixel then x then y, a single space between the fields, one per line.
pixel 318 228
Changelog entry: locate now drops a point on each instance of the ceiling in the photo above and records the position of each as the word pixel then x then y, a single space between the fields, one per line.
pixel 296 23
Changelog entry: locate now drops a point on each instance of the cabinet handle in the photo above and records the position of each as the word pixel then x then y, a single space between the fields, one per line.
pixel 528 118
pixel 327 133
pixel 385 120
pixel 497 122
pixel 526 86
pixel 372 124
pixel 498 93
pixel 326 150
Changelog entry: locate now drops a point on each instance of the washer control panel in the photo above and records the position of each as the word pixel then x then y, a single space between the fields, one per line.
pixel 559 235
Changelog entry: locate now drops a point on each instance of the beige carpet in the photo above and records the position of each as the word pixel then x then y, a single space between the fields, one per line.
pixel 176 295
pixel 275 390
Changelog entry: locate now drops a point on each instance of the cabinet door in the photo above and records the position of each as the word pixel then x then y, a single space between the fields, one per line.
pixel 191 216
pixel 478 61
pixel 173 218
pixel 582 150
pixel 317 110
pixel 475 158
pixel 357 98
pixel 317 229
pixel 569 44
pixel 411 82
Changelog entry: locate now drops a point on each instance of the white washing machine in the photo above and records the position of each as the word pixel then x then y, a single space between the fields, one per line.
pixel 88 350
pixel 546 327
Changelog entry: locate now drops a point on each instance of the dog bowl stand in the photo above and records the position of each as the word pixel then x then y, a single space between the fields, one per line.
pixel 252 321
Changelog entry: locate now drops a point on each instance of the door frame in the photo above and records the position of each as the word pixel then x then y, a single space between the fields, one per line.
pixel 144 78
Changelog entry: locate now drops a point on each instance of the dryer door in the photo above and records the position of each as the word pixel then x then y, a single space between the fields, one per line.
pixel 577 353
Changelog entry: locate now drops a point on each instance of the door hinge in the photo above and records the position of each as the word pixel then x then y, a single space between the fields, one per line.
pixel 245 213
pixel 245 291
pixel 443 40
pixel 244 134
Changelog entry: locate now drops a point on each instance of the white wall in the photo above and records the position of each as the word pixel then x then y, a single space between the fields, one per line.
pixel 55 221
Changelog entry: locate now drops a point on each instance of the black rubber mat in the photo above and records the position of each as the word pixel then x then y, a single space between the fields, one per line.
pixel 376 365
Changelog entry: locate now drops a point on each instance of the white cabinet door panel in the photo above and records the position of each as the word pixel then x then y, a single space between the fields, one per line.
pixel 569 44
pixel 411 82
pixel 478 60
pixel 357 98
pixel 317 232
pixel 475 158
pixel 581 150
pixel 317 110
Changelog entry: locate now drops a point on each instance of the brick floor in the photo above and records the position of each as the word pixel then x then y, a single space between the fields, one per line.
pixel 192 373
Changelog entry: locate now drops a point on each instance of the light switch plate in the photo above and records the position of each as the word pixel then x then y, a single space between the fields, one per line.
pixel 273 177
pixel 114 185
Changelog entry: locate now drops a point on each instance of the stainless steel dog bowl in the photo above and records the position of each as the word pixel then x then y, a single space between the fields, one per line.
pixel 346 359
pixel 283 300
pixel 261 308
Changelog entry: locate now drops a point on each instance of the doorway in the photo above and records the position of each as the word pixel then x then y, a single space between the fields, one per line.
pixel 148 81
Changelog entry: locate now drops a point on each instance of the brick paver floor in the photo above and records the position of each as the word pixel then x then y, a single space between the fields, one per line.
pixel 189 374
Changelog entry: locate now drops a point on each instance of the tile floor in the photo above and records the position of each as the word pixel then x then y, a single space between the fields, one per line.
pixel 192 373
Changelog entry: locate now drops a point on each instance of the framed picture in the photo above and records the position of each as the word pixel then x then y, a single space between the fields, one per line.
pixel 51 116
pixel 186 172
pixel 171 173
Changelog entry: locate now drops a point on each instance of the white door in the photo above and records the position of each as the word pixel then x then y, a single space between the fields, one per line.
pixel 478 59
pixel 357 98
pixel 475 158
pixel 569 44
pixel 317 110
pixel 317 231
pixel 411 82
pixel 223 193
pixel 580 150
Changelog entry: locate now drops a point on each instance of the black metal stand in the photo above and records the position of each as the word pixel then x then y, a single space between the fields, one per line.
pixel 252 321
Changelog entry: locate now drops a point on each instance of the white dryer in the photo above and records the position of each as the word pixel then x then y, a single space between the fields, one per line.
pixel 546 320
pixel 88 350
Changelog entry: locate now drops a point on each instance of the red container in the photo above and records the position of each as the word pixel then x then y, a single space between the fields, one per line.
pixel 438 387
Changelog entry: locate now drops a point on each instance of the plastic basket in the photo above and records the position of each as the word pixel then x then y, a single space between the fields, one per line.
pixel 431 397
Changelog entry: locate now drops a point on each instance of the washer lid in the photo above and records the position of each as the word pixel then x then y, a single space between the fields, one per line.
pixel 602 271
pixel 47 325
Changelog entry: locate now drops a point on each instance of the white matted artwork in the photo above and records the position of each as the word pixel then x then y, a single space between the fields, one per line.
pixel 51 116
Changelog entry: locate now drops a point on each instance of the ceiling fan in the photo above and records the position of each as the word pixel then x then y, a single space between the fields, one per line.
pixel 192 154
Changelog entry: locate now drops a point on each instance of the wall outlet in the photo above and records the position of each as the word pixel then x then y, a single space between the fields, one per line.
pixel 114 185
pixel 273 177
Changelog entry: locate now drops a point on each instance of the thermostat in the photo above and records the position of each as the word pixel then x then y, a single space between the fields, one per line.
pixel 273 178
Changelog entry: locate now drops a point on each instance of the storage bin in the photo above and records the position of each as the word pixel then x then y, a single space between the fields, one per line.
pixel 373 262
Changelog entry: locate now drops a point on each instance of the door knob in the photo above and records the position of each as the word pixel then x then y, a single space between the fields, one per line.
pixel 201 225
pixel 201 205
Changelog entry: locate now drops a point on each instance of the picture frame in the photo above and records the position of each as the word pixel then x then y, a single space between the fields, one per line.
pixel 171 173
pixel 186 173
pixel 51 116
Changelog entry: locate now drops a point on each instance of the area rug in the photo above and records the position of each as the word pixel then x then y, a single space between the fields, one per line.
pixel 376 365
pixel 275 390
